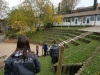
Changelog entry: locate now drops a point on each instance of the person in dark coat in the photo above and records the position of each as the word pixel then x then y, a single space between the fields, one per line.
pixel 54 52
pixel 45 48
pixel 22 61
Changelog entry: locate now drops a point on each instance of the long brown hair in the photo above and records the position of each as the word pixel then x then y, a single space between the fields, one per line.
pixel 23 45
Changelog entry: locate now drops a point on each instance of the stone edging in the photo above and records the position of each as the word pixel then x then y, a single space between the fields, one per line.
pixel 10 41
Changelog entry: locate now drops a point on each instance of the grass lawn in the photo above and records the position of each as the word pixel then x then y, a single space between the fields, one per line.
pixel 83 51
pixel 70 28
pixel 36 37
pixel 94 67
pixel 2 73
pixel 46 66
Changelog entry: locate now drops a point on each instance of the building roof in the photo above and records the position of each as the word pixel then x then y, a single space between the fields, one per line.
pixel 84 7
pixel 87 13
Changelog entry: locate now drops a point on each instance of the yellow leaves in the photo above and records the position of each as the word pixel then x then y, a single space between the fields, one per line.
pixel 33 29
pixel 48 14
pixel 21 33
pixel 49 17
pixel 98 73
pixel 58 18
pixel 18 25
pixel 22 18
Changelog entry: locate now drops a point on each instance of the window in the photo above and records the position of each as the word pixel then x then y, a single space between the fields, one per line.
pixel 66 19
pixel 92 18
pixel 72 19
pixel 84 18
pixel 79 18
pixel 98 18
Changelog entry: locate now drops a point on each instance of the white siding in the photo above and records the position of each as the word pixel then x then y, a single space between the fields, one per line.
pixel 97 23
pixel 98 20
pixel 87 21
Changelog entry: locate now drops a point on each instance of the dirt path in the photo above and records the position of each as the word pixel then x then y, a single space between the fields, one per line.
pixel 8 48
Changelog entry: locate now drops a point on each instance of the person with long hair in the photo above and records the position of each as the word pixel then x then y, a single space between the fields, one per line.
pixel 22 61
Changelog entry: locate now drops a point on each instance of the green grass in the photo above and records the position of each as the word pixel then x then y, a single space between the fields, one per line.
pixel 82 54
pixel 46 66
pixel 84 50
pixel 36 37
pixel 2 73
pixel 70 28
pixel 94 67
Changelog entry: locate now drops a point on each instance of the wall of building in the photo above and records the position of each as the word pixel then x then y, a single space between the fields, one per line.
pixel 98 20
pixel 78 21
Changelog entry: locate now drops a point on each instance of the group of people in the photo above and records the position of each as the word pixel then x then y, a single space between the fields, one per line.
pixel 54 51
pixel 44 48
pixel 23 61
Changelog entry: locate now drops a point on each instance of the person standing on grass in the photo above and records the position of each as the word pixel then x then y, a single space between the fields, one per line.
pixel 37 49
pixel 22 61
pixel 45 48
pixel 54 52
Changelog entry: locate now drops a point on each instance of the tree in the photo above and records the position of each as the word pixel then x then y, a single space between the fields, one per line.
pixel 68 5
pixel 21 18
pixel 37 6
pixel 59 9
pixel 3 9
pixel 48 14
pixel 58 19
pixel 95 5
pixel 30 14
pixel 43 11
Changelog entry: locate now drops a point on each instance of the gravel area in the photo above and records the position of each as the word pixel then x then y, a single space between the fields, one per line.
pixel 8 48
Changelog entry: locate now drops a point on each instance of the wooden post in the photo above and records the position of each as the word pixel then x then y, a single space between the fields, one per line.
pixel 59 68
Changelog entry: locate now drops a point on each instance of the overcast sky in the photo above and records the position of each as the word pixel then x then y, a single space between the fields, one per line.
pixel 84 3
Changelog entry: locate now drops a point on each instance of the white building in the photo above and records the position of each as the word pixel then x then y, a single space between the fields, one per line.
pixel 82 16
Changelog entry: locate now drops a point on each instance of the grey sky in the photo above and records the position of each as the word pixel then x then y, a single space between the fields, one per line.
pixel 84 3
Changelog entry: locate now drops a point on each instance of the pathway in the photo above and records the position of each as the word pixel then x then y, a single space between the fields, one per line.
pixel 8 48
pixel 75 38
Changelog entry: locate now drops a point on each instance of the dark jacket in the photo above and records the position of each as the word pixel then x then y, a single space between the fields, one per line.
pixel 45 47
pixel 54 50
pixel 17 66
